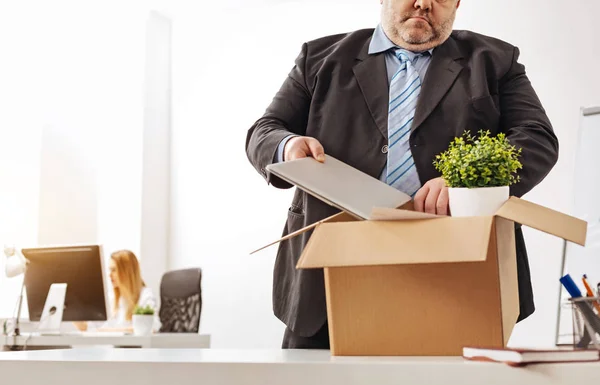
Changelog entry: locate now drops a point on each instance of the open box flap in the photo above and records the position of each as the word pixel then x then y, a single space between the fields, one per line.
pixel 339 217
pixel 544 219
pixel 365 243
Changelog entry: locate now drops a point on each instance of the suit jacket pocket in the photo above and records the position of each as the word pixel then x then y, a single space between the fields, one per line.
pixel 285 275
pixel 295 212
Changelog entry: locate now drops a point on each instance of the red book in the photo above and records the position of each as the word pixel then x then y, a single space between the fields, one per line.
pixel 520 357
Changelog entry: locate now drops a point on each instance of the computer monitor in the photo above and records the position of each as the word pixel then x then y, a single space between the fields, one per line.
pixel 81 268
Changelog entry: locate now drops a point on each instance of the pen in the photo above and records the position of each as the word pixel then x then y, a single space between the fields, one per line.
pixel 590 293
pixel 570 285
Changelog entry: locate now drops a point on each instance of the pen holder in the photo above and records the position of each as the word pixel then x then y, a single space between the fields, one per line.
pixel 586 323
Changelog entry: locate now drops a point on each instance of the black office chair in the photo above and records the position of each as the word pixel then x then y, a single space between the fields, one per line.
pixel 180 301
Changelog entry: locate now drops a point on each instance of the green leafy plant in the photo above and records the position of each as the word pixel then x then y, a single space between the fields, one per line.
pixel 143 310
pixel 479 162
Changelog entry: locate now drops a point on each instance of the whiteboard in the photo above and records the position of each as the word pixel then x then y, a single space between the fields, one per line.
pixel 579 260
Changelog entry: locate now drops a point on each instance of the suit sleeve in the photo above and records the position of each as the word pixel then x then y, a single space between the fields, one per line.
pixel 527 127
pixel 286 115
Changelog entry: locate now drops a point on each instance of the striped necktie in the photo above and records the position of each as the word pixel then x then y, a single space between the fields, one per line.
pixel 405 87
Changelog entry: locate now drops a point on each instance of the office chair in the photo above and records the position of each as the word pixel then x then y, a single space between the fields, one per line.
pixel 181 301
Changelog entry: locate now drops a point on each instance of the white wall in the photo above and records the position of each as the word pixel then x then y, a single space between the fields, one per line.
pixel 228 64
pixel 541 29
pixel 20 136
pixel 67 186
pixel 156 160
pixel 72 128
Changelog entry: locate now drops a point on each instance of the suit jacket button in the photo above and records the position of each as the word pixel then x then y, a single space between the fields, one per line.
pixel 384 149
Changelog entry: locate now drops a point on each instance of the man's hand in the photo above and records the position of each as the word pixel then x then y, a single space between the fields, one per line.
pixel 302 147
pixel 433 197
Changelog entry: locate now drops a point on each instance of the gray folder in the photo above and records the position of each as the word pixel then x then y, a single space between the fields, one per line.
pixel 339 185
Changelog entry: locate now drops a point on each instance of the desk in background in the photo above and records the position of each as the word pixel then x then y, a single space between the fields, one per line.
pixel 158 340
pixel 260 367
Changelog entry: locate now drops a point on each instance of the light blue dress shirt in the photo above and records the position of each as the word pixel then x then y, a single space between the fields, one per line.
pixel 379 43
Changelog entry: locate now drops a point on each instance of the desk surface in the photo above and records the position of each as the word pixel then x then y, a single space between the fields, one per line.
pixel 249 367
pixel 157 340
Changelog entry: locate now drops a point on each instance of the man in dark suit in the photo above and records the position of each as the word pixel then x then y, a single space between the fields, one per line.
pixel 386 101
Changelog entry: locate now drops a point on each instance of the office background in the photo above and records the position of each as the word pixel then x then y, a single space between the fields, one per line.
pixel 73 94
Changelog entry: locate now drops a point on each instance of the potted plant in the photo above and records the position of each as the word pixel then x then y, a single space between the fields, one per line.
pixel 143 320
pixel 478 173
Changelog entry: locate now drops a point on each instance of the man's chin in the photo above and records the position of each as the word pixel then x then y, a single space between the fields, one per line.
pixel 418 38
pixel 418 35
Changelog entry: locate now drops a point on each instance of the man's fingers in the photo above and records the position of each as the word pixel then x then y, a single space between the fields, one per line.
pixel 432 198
pixel 442 202
pixel 296 153
pixel 316 149
pixel 303 146
pixel 420 196
pixel 295 148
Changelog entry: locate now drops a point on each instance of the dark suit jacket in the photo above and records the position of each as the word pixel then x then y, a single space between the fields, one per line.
pixel 338 93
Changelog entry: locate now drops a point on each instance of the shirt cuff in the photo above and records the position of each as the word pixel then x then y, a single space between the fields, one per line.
pixel 279 154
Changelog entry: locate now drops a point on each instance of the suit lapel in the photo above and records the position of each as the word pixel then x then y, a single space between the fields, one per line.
pixel 441 74
pixel 370 72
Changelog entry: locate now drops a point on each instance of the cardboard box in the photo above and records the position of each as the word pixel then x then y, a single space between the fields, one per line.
pixel 408 283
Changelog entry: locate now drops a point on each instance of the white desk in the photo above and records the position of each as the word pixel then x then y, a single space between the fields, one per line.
pixel 158 340
pixel 253 367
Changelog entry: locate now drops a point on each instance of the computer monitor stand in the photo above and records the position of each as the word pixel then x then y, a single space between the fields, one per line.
pixel 52 314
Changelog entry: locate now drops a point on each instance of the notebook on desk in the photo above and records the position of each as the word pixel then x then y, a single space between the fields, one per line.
pixel 339 185
pixel 520 357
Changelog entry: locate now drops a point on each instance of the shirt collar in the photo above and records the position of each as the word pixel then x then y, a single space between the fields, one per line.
pixel 381 43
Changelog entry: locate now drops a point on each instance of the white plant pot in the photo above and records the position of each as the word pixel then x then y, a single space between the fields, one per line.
pixel 479 201
pixel 142 324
